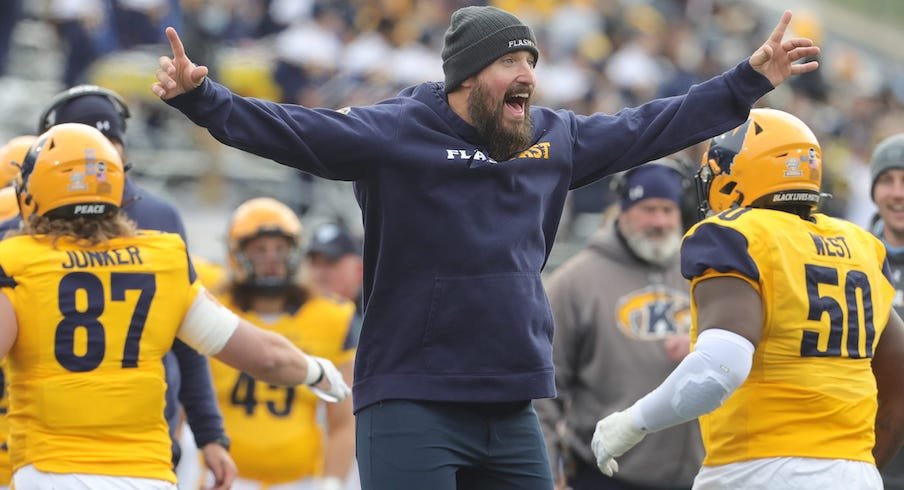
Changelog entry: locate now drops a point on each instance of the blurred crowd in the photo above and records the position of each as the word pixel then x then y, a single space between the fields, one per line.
pixel 596 55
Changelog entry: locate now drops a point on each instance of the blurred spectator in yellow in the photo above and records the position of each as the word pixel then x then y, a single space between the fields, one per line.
pixel 276 436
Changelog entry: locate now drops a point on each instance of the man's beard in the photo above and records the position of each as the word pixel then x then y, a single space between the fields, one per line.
pixel 659 249
pixel 486 112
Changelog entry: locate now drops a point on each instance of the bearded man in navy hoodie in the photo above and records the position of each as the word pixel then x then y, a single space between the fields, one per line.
pixel 461 185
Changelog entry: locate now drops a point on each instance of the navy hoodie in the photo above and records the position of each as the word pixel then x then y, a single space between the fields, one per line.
pixel 454 309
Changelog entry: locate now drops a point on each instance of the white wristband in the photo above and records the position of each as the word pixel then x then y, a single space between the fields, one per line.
pixel 315 371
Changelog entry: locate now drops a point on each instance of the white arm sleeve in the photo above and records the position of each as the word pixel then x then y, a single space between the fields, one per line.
pixel 208 325
pixel 705 378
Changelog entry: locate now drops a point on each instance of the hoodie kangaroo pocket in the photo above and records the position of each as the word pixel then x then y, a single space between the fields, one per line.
pixel 488 324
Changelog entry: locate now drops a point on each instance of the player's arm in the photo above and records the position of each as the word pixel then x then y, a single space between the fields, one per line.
pixel 268 357
pixel 888 364
pixel 731 304
pixel 9 326
pixel 730 319
pixel 211 329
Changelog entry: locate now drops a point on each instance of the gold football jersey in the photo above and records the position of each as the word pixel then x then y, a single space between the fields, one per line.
pixel 826 298
pixel 280 422
pixel 86 378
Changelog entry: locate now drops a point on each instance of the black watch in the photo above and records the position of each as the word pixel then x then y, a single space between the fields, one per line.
pixel 223 440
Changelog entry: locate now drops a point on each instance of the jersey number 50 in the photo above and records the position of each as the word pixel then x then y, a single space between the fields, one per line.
pixel 88 319
pixel 854 281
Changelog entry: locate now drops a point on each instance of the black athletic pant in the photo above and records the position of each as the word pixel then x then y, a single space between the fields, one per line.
pixel 451 446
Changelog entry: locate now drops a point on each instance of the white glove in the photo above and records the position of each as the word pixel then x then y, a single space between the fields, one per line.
pixel 614 435
pixel 321 371
pixel 329 483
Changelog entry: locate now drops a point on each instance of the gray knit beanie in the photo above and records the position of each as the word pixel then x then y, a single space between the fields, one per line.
pixel 889 154
pixel 477 36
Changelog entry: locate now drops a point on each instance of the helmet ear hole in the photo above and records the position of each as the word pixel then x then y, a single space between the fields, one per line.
pixel 728 188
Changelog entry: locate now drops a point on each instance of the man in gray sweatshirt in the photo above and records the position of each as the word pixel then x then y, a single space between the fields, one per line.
pixel 887 176
pixel 622 315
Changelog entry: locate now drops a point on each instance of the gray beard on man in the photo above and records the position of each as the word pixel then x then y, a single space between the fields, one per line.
pixel 660 250
pixel 501 143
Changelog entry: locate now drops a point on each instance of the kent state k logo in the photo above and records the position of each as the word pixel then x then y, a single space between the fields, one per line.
pixel 653 313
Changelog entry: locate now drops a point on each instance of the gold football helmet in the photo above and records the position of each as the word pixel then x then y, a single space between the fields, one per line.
pixel 259 217
pixel 71 171
pixel 771 160
pixel 11 156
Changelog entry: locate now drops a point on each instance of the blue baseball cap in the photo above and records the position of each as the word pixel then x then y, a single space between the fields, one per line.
pixel 651 180
pixel 333 241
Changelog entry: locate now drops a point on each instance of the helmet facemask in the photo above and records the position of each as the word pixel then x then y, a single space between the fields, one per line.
pixel 263 217
pixel 251 263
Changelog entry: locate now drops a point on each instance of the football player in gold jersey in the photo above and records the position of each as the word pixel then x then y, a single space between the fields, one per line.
pixel 77 287
pixel 264 287
pixel 11 156
pixel 793 326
